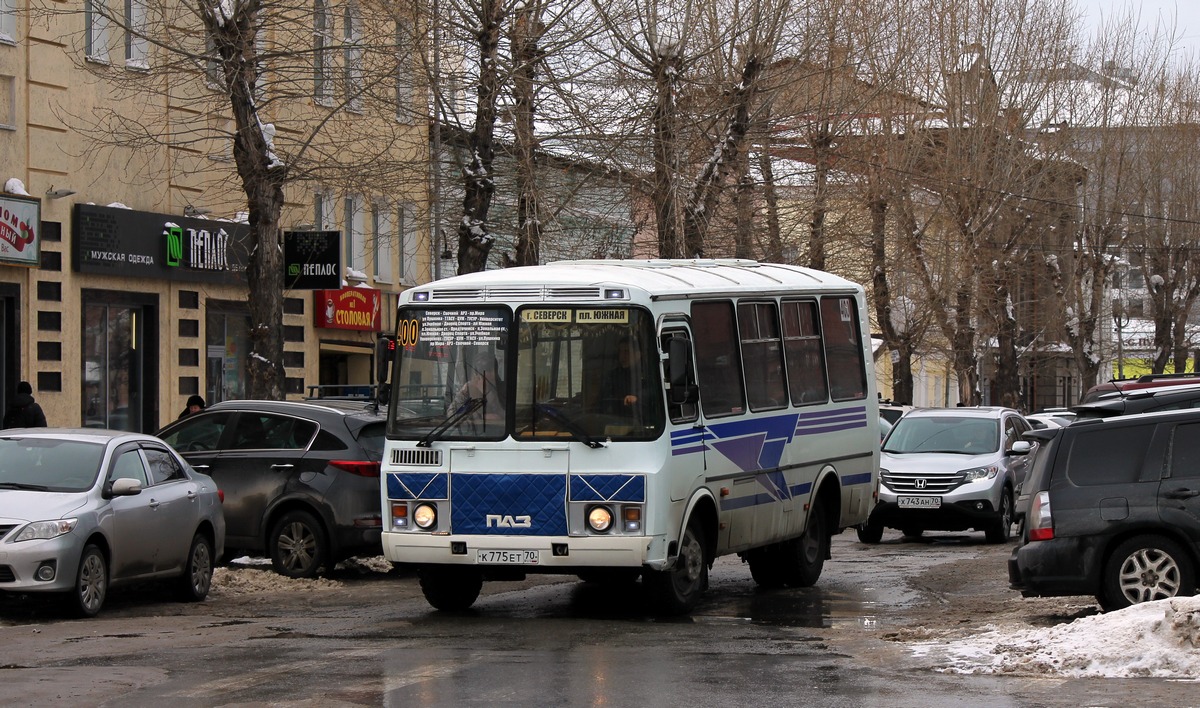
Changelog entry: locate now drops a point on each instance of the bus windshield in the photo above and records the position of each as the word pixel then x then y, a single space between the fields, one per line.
pixel 450 373
pixel 574 373
pixel 587 373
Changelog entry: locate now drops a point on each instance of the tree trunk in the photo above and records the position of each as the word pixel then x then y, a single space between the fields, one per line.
pixel 666 155
pixel 525 37
pixel 474 240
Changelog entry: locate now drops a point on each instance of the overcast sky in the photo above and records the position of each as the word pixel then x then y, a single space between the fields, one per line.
pixel 1185 12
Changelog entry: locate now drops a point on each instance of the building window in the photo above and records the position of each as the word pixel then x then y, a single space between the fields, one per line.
pixel 8 21
pixel 322 41
pixel 407 230
pixel 383 240
pixel 227 336
pixel 352 57
pixel 8 102
pixel 95 36
pixel 136 45
pixel 404 75
pixel 213 75
pixel 355 254
pixel 323 217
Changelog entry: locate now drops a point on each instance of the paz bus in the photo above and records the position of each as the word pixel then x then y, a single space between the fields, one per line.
pixel 627 420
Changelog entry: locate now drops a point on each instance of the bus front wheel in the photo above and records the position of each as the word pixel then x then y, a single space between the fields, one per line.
pixel 676 591
pixel 450 588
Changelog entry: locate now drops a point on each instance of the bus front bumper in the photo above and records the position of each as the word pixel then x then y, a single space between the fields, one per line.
pixel 547 552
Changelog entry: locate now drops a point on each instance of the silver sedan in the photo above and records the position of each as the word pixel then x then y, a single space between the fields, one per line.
pixel 82 510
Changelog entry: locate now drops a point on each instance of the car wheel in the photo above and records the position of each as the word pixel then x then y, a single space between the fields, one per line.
pixel 196 579
pixel 804 557
pixel 450 588
pixel 298 545
pixel 870 533
pixel 676 591
pixel 91 583
pixel 1001 529
pixel 1146 568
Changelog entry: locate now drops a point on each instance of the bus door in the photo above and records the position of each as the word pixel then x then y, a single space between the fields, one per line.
pixel 688 451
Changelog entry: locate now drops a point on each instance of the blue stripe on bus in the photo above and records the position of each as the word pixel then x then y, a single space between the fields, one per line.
pixel 748 501
pixel 687 450
pixel 832 428
pixel 802 488
pixel 852 479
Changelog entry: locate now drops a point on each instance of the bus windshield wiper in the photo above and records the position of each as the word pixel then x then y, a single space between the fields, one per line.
pixel 472 405
pixel 574 428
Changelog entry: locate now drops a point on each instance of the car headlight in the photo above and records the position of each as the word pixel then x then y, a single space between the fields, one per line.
pixel 41 530
pixel 977 473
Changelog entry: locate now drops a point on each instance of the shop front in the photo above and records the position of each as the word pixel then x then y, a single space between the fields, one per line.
pixel 348 322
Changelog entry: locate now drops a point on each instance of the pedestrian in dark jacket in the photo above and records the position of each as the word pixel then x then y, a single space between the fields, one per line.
pixel 24 412
pixel 195 404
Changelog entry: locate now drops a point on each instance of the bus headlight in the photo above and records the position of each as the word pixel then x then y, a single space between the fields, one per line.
pixel 425 516
pixel 600 518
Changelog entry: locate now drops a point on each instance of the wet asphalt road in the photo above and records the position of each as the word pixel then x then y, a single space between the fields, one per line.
pixel 552 641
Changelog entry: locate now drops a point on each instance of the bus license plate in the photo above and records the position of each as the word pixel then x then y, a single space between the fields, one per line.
pixel 509 557
pixel 919 502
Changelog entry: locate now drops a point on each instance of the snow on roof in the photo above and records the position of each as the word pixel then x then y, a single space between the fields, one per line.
pixel 1159 639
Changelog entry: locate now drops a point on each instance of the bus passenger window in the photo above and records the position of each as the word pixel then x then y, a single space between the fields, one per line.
pixel 843 348
pixel 803 353
pixel 758 324
pixel 719 369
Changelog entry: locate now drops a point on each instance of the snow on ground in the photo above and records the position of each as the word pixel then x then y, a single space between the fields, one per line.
pixel 1158 639
pixel 248 575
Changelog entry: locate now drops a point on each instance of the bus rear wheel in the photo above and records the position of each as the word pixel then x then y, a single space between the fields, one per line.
pixel 450 588
pixel 803 558
pixel 676 591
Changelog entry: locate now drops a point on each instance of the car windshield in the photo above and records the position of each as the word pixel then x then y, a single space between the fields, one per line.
pixel 48 464
pixel 962 435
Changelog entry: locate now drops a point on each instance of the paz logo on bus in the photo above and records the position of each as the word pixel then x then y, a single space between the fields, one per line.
pixel 506 521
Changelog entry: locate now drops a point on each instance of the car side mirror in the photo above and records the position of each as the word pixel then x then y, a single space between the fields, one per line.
pixel 1021 447
pixel 124 487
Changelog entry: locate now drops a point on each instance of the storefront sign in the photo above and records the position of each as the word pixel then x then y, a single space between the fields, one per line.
pixel 348 308
pixel 114 241
pixel 312 260
pixel 20 230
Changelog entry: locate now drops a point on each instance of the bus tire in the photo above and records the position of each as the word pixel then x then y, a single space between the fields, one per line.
pixel 676 591
pixel 765 567
pixel 450 588
pixel 803 558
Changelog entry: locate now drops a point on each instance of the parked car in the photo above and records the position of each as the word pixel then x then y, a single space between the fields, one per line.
pixel 1141 401
pixel 949 469
pixel 1114 511
pixel 1119 387
pixel 1051 418
pixel 301 479
pixel 83 510
pixel 891 412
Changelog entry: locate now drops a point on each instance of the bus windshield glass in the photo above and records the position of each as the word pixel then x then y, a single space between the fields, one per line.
pixel 450 373
pixel 587 373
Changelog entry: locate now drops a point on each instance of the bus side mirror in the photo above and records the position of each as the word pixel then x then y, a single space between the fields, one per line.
pixel 385 349
pixel 679 359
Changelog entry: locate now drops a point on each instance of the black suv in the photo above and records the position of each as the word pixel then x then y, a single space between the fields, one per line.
pixel 301 480
pixel 1168 398
pixel 1114 510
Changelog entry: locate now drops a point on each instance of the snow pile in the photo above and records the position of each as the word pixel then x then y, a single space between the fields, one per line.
pixel 1158 639
pixel 249 575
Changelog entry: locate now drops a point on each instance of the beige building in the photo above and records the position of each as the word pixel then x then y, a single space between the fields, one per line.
pixel 122 283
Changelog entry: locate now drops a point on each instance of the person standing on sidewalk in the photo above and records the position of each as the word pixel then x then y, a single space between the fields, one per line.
pixel 24 412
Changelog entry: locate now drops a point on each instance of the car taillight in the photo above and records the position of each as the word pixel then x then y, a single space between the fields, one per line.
pixel 221 495
pixel 1041 522
pixel 362 468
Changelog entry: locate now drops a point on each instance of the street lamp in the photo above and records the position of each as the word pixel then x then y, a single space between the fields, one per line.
pixel 1120 319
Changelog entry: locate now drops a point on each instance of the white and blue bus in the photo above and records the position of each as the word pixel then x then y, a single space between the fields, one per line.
pixel 624 419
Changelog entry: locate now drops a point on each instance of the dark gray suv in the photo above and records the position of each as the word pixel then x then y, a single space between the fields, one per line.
pixel 1113 510
pixel 301 480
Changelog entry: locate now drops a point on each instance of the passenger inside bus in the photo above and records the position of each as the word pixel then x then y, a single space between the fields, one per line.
pixel 624 390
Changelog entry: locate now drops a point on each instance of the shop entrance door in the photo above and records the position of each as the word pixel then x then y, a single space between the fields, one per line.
pixel 113 358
